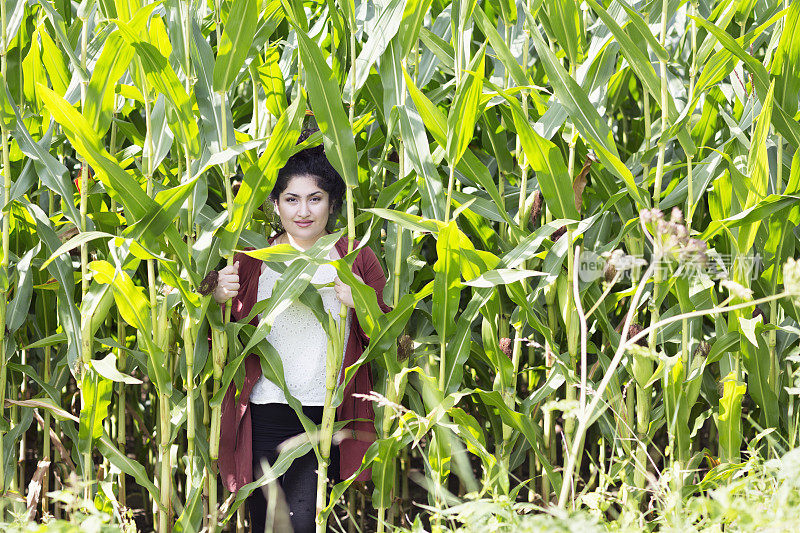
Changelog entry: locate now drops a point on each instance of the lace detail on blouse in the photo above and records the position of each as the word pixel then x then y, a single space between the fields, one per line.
pixel 300 341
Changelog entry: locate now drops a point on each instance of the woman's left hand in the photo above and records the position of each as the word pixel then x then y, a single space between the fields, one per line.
pixel 343 292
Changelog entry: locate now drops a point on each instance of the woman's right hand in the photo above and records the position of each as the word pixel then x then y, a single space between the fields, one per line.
pixel 227 284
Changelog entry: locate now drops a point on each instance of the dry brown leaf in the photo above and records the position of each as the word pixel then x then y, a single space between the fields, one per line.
pixel 65 457
pixel 580 182
pixel 35 488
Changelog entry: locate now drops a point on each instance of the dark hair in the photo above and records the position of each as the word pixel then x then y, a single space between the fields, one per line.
pixel 311 162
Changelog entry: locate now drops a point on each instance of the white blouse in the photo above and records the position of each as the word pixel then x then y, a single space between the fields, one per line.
pixel 300 341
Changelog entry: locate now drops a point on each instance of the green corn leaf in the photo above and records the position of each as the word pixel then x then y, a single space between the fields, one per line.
pixel 96 395
pixel 116 180
pixel 447 280
pixel 771 205
pixel 89 144
pixel 61 36
pixel 677 410
pixel 61 269
pixel 114 61
pixel 326 102
pixel 385 334
pixel 640 63
pixel 640 32
pixel 757 170
pixel 589 123
pixel 161 134
pixel 526 427
pixel 107 368
pixel 269 73
pixel 461 13
pixel 501 365
pixel 95 306
pixel 163 211
pixel 364 298
pixel 564 21
pixel 465 109
pixel 412 23
pixel 715 70
pixel 416 148
pixel 441 48
pixel 783 122
pixel 50 340
pixel 384 471
pixel 32 70
pixel 11 441
pixel 729 419
pixel 381 33
pixel 18 307
pixel 290 285
pixel 235 42
pixel 130 466
pixel 54 64
pixel 74 242
pixel 408 220
pixel 281 465
pixel 757 360
pixel 787 55
pixel 546 160
pixel 392 82
pixel 191 519
pixel 161 76
pixel 260 178
pixel 134 308
pixel 52 173
pixel 501 276
pixel 436 123
pixel 132 303
pixel 500 47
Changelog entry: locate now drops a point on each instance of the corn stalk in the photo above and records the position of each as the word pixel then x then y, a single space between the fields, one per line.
pixel 4 138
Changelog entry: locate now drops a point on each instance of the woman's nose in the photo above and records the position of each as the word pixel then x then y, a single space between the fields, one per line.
pixel 303 210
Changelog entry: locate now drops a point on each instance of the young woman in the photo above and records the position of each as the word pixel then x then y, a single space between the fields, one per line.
pixel 307 192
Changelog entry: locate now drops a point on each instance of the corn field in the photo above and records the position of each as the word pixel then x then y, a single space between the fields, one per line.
pixel 586 211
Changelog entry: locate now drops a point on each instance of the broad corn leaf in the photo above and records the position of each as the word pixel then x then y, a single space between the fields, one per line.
pixel 758 170
pixel 447 280
pixel 546 160
pixel 787 57
pixel 729 423
pixel 586 118
pixel 260 178
pixel 237 38
pixel 114 61
pixel 464 112
pixel 96 394
pixel 269 73
pixel 326 102
pixel 160 75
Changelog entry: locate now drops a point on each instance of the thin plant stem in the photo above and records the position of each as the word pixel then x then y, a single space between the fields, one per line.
pixel 449 200
pixel 569 470
pixel 4 138
pixel 692 76
pixel 624 343
pixel 336 346
pixel 86 335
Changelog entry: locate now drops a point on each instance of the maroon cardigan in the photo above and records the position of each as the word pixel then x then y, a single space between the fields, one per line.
pixel 236 445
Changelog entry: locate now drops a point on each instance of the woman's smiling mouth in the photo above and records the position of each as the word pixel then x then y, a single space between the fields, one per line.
pixel 304 223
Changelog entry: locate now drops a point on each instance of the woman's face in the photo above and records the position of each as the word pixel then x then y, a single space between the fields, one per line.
pixel 304 209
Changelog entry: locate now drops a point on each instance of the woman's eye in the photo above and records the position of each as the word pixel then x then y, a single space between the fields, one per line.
pixel 316 199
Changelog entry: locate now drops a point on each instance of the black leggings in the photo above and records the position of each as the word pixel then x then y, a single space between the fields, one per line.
pixel 273 423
